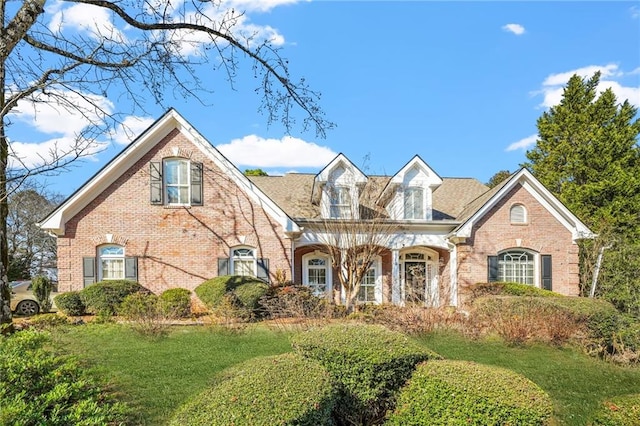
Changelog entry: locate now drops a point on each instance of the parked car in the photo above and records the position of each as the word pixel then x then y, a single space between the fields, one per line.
pixel 23 301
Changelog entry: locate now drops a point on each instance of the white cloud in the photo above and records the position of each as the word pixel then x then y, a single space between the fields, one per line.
pixel 523 144
pixel 93 20
pixel 257 5
pixel 130 128
pixel 256 151
pixel 553 86
pixel 516 29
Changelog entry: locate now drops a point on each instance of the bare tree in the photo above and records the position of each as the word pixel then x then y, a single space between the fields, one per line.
pixel 355 236
pixel 127 48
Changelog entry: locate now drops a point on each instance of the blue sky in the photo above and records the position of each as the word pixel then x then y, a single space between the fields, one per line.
pixel 459 83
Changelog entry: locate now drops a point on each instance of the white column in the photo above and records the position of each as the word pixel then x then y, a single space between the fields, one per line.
pixel 453 274
pixel 396 296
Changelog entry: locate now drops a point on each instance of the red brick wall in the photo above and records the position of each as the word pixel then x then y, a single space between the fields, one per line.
pixel 542 234
pixel 176 247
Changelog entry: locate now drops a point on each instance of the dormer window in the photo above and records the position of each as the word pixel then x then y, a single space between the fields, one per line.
pixel 414 203
pixel 340 202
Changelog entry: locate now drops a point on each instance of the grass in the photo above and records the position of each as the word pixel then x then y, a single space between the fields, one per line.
pixel 576 382
pixel 157 376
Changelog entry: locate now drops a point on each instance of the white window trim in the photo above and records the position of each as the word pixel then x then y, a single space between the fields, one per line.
pixel 536 264
pixel 233 257
pixel 166 185
pixel 424 202
pixel 376 264
pixel 329 269
pixel 434 287
pixel 110 257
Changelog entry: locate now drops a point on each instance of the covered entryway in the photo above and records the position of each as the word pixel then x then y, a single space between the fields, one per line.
pixel 419 277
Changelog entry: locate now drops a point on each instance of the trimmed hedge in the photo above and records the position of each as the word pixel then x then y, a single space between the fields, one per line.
pixel 369 362
pixel 39 388
pixel 176 302
pixel 70 303
pixel 462 392
pixel 509 289
pixel 619 411
pixel 240 292
pixel 104 297
pixel 276 390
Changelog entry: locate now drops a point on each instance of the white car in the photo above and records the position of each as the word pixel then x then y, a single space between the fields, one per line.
pixel 23 301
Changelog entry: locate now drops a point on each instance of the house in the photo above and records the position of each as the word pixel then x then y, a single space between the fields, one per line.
pixel 171 211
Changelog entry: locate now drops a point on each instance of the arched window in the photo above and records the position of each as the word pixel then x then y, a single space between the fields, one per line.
pixel 516 266
pixel 243 261
pixel 518 214
pixel 317 273
pixel 111 262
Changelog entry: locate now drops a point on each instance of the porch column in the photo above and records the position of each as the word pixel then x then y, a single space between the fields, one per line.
pixel 453 274
pixel 396 297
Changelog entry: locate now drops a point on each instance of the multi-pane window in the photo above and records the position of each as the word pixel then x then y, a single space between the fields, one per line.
pixel 516 266
pixel 317 275
pixel 414 203
pixel 244 261
pixel 367 291
pixel 340 199
pixel 111 261
pixel 176 181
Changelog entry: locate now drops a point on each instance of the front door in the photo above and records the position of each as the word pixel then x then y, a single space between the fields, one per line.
pixel 419 279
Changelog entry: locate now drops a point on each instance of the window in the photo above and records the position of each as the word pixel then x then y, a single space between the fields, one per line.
pixel 244 261
pixel 414 203
pixel 340 207
pixel 518 214
pixel 317 274
pixel 176 181
pixel 111 262
pixel 516 266
pixel 367 291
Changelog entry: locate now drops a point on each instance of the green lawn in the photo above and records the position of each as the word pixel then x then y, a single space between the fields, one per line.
pixel 156 376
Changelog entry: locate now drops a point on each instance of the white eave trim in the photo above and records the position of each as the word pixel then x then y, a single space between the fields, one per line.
pixel 558 210
pixel 55 222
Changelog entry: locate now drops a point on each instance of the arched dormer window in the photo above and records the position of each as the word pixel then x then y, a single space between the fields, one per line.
pixel 518 214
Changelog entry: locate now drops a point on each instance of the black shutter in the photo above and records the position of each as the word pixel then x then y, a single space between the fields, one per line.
pixel 88 270
pixel 492 268
pixel 196 184
pixel 223 266
pixel 263 269
pixel 155 182
pixel 131 268
pixel 546 272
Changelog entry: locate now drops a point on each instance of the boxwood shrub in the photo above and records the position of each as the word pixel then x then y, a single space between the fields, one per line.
pixel 509 289
pixel 38 387
pixel 462 392
pixel 104 297
pixel 619 411
pixel 70 303
pixel 240 292
pixel 369 362
pixel 176 302
pixel 276 390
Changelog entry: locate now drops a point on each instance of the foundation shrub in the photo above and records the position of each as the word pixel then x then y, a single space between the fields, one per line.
pixel 521 319
pixel 145 314
pixel 42 287
pixel 104 297
pixel 277 390
pixel 176 302
pixel 232 295
pixel 619 411
pixel 369 362
pixel 70 303
pixel 38 387
pixel 462 392
pixel 509 289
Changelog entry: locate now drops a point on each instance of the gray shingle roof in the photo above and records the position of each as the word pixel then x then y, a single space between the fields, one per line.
pixel 292 192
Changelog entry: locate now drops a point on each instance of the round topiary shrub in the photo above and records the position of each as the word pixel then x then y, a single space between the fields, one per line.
pixel 232 291
pixel 462 392
pixel 622 410
pixel 370 362
pixel 176 302
pixel 70 303
pixel 277 390
pixel 104 297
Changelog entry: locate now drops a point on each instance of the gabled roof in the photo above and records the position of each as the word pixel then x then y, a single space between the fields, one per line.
pixel 56 220
pixel 483 204
pixel 433 180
